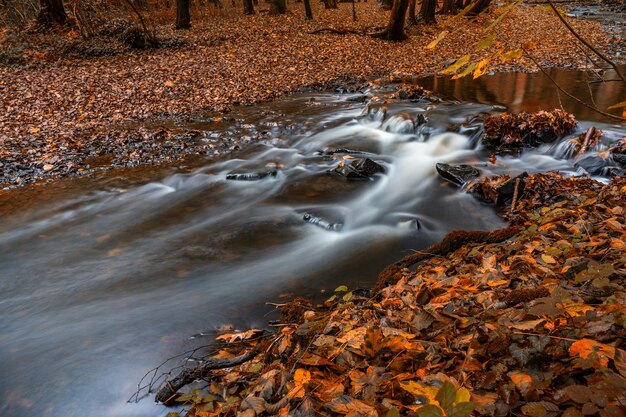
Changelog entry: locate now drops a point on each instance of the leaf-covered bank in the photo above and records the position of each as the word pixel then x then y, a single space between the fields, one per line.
pixel 532 326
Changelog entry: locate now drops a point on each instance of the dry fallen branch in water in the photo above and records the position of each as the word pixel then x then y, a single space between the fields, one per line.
pixel 187 376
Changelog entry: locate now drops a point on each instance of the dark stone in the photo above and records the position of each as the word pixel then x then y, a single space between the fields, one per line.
pixel 251 176
pixel 360 169
pixel 343 151
pixel 619 158
pixel 319 222
pixel 457 174
pixel 596 165
pixel 499 194
pixel 507 190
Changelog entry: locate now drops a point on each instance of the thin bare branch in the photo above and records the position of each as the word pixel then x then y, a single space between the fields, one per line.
pixel 573 97
pixel 587 44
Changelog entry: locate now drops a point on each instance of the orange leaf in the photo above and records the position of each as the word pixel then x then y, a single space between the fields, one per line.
pixel 586 348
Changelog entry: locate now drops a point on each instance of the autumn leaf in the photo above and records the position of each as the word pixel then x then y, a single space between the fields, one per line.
pixel 234 337
pixel 421 390
pixel 457 65
pixel 486 42
pixel 439 38
pixel 481 67
pixel 468 70
pixel 513 54
pixel 590 349
pixel 463 409
pixel 344 404
pixel 522 381
pixel 430 410
pixel 619 105
pixel 446 395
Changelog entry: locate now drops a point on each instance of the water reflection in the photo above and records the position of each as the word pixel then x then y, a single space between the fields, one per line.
pixel 534 91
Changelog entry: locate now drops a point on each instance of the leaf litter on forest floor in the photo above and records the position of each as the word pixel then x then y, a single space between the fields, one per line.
pixel 59 114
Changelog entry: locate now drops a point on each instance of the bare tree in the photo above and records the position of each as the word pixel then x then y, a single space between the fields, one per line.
pixel 412 17
pixel 183 15
pixel 278 7
pixel 449 7
pixel 427 11
pixel 248 7
pixel 479 7
pixel 386 4
pixel 51 12
pixel 395 28
pixel 308 10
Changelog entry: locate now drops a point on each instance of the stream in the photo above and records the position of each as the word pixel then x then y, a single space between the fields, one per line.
pixel 104 277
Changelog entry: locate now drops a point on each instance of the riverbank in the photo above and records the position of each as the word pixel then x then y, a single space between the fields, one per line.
pixel 529 326
pixel 64 116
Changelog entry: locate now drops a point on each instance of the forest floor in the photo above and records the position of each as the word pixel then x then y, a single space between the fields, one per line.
pixel 60 110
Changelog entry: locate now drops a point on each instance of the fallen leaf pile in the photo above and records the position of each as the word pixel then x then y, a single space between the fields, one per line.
pixel 531 326
pixel 526 129
pixel 55 107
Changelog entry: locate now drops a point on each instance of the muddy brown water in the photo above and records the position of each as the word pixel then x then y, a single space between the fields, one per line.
pixel 104 277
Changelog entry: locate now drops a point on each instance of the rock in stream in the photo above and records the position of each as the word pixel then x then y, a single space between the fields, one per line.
pixel 457 174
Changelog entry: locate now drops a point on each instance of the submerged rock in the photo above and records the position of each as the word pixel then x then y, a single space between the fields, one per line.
pixel 251 176
pixel 359 169
pixel 319 222
pixel 457 174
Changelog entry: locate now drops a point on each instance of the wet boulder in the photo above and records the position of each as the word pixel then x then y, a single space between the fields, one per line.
pixel 359 169
pixel 618 153
pixel 457 174
pixel 251 176
pixel 600 164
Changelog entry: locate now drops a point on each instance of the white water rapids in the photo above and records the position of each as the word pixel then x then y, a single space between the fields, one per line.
pixel 100 287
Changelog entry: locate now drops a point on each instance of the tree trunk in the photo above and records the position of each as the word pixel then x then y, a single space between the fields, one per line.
pixel 278 7
pixel 479 7
pixel 308 10
pixel 449 7
pixel 52 11
pixel 395 28
pixel 460 4
pixel 427 11
pixel 248 7
pixel 183 16
pixel 386 4
pixel 330 4
pixel 412 17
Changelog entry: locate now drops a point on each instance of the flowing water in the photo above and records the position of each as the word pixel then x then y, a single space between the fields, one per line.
pixel 103 278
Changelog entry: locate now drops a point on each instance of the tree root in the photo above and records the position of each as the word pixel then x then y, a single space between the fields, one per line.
pixel 335 31
pixel 187 376
pixel 451 242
